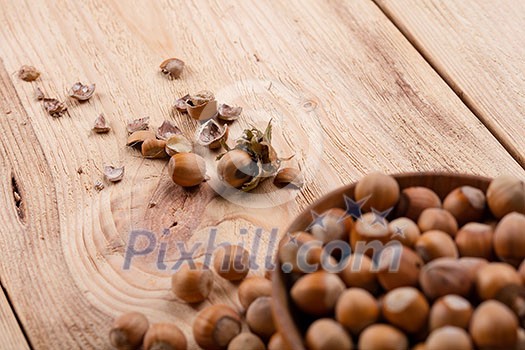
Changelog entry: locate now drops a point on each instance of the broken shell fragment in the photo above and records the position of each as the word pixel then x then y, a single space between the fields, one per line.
pixel 288 176
pixel 172 67
pixel 202 105
pixel 167 130
pixel 39 94
pixel 54 107
pixel 28 73
pixel 99 186
pixel 211 133
pixel 82 92
pixel 138 137
pixel 229 113
pixel 101 125
pixel 113 174
pixel 178 144
pixel 180 104
pixel 138 124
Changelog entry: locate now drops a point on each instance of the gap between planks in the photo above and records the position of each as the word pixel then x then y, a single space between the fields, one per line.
pixel 7 319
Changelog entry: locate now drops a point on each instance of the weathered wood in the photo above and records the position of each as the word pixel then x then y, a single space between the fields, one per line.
pixel 478 48
pixel 11 336
pixel 347 92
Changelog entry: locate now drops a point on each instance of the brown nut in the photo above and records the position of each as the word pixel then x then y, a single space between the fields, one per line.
pixel 128 331
pixel 356 309
pixel 450 310
pixel 232 262
pixel 192 284
pixel 253 288
pixel 178 144
pixel 448 337
pixel 367 232
pixel 398 266
pixel 288 177
pixel 153 148
pixel 359 272
pixel 521 271
pixel 405 231
pixel 414 200
pixel 506 194
pixel 236 168
pixel 437 219
pixel 445 276
pixel 406 308
pixel 277 342
pixel 326 334
pixel 466 204
pixel 494 276
pixel 317 293
pixel 172 67
pixel 382 191
pixel 245 341
pixel 216 326
pixel 472 265
pixel 138 137
pixel 475 240
pixel 493 326
pixel 259 317
pixel 509 238
pixel 336 226
pixel 382 336
pixel 513 296
pixel 435 244
pixel 165 336
pixel 291 248
pixel 187 169
pixel 28 73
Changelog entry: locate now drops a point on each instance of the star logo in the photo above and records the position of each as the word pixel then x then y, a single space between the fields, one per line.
pixel 380 216
pixel 292 239
pixel 318 220
pixel 399 231
pixel 353 208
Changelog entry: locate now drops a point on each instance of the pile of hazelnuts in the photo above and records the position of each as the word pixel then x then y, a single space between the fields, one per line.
pixel 458 276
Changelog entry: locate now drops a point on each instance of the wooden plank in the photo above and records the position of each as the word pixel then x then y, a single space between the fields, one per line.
pixel 478 48
pixel 11 336
pixel 347 92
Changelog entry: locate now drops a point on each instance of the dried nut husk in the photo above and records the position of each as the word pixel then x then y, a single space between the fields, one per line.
pixel 232 262
pixel 509 238
pixel 336 226
pixel 253 288
pixel 450 310
pixel 437 219
pixel 113 174
pixel 406 308
pixel 277 342
pixel 466 204
pixel 404 230
pixel 356 309
pixel 101 125
pixel 506 194
pixel 290 249
pixel 246 341
pixel 492 277
pixel 326 334
pixel 259 317
pixel 449 338
pixel 172 67
pixel 167 130
pixel 81 92
pixel 202 105
pixel 382 191
pixel 359 272
pixel 211 134
pixel 153 148
pixel 128 330
pixel 398 266
pixel 493 326
pixel 178 144
pixel 414 200
pixel 54 107
pixel 384 337
pixel 138 137
pixel 445 276
pixel 513 296
pixel 28 73
pixel 288 177
pixel 475 240
pixel 181 105
pixel 187 169
pixel 216 326
pixel 165 336
pixel 229 113
pixel 236 168
pixel 435 244
pixel 317 293
pixel 367 231
pixel 192 284
pixel 137 125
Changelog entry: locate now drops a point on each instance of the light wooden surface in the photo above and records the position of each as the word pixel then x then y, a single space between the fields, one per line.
pixel 477 46
pixel 11 336
pixel 348 94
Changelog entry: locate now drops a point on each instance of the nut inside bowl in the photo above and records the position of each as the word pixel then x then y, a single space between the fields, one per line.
pixel 292 323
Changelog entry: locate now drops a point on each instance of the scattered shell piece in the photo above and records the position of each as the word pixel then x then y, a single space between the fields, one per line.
pixel 288 176
pixel 178 144
pixel 229 113
pixel 202 105
pixel 211 133
pixel 28 73
pixel 99 186
pixel 138 124
pixel 138 137
pixel 181 105
pixel 172 67
pixel 101 125
pixel 54 107
pixel 167 130
pixel 113 174
pixel 39 94
pixel 82 92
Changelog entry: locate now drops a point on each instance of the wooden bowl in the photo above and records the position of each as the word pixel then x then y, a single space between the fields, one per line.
pixel 287 318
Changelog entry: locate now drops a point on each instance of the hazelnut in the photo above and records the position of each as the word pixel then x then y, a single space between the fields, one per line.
pixel 520 345
pixel 450 310
pixel 513 296
pixel 466 204
pixel 493 326
pixel 475 240
pixel 398 266
pixel 28 73
pixel 165 336
pixel 521 271
pixel 405 231
pixel 216 326
pixel 414 200
pixel 506 194
pixel 326 334
pixel 317 293
pixel 236 168
pixel 192 284
pixel 128 331
pixel 435 244
pixel 382 190
pixel 419 346
pixel 382 336
pixel 246 341
pixel 289 177
pixel 472 265
pixel 356 309
pixel 232 262
pixel 289 250
pixel 178 144
pixel 277 342
pixel 336 226
pixel 448 338
pixel 153 148
pixel 253 288
pixel 437 219
pixel 406 308
pixel 444 276
pixel 494 276
pixel 136 138
pixel 187 169
pixel 259 317
pixel 367 230
pixel 358 272
pixel 509 238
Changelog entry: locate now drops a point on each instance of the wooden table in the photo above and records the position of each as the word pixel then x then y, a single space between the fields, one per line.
pixel 352 86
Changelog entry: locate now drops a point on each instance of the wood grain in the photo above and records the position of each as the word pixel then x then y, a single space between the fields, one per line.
pixel 478 48
pixel 347 92
pixel 11 336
